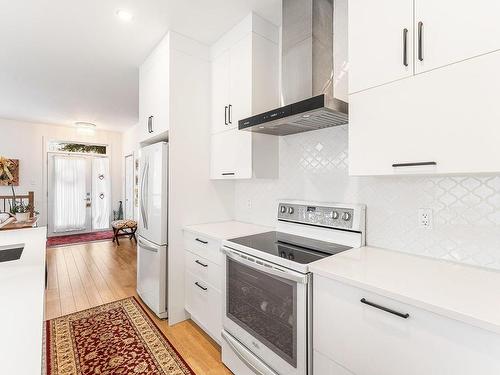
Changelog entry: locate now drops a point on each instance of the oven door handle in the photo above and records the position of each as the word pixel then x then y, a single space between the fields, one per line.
pixel 285 273
pixel 249 359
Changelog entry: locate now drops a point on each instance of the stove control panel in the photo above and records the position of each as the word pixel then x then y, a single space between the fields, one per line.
pixel 330 217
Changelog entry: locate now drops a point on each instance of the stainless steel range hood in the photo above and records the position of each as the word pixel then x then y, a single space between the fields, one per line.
pixel 308 78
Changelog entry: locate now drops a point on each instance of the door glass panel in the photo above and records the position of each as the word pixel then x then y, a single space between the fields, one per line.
pixel 265 306
pixel 101 192
pixel 69 194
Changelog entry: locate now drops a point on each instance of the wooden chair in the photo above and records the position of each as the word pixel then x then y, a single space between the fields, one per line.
pixel 124 228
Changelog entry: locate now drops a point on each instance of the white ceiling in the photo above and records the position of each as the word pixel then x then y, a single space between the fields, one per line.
pixel 63 61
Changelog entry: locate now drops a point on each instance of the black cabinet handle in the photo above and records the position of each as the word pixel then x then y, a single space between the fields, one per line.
pixel 203 242
pixel 230 114
pixel 228 174
pixel 201 264
pixel 386 309
pixel 405 47
pixel 200 286
pixel 150 124
pixel 418 164
pixel 225 115
pixel 420 41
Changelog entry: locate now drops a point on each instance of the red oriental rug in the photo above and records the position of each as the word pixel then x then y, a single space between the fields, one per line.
pixel 79 238
pixel 115 338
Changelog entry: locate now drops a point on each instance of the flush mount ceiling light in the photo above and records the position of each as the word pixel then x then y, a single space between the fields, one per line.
pixel 85 125
pixel 124 15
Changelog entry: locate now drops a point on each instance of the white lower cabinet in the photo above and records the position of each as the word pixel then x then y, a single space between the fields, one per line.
pixel 203 282
pixel 354 337
pixel 203 302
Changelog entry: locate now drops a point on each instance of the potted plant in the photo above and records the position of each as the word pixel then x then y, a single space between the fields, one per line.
pixel 21 211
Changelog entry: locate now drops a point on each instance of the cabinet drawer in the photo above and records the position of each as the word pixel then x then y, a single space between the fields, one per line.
pixel 203 302
pixel 207 271
pixel 370 341
pixel 203 246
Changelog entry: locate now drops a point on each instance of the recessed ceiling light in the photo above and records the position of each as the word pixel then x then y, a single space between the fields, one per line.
pixel 124 15
pixel 82 124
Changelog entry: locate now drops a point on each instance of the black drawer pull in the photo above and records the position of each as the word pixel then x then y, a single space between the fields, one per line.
pixel 200 286
pixel 419 164
pixel 228 174
pixel 386 309
pixel 203 242
pixel 201 264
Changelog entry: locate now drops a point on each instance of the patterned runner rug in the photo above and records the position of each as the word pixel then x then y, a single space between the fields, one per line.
pixel 115 338
pixel 79 238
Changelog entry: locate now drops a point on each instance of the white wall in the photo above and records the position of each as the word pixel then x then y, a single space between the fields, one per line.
pixel 25 141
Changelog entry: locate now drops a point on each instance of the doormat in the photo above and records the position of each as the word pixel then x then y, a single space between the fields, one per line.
pixel 79 238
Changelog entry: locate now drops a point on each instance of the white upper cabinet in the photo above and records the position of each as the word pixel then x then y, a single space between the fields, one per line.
pixel 380 42
pixel 154 92
pixel 395 39
pixel 444 121
pixel 220 93
pixel 451 31
pixel 241 80
pixel 244 83
pixel 231 156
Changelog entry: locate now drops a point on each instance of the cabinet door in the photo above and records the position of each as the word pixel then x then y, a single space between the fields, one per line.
pixel 240 84
pixel 220 93
pixel 453 31
pixel 160 92
pixel 231 155
pixel 154 94
pixel 376 42
pixel 203 302
pixel 449 116
pixel 145 99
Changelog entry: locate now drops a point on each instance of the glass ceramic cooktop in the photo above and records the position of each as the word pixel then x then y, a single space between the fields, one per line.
pixel 296 248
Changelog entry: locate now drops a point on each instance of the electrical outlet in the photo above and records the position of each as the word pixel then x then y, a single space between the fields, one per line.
pixel 425 218
pixel 249 203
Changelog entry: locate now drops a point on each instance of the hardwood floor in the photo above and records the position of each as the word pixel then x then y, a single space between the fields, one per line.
pixel 87 275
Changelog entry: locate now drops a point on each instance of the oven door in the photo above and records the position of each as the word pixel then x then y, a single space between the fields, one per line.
pixel 266 317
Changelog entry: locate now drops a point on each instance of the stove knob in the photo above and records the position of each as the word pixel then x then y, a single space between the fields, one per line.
pixel 335 215
pixel 290 210
pixel 346 216
pixel 282 209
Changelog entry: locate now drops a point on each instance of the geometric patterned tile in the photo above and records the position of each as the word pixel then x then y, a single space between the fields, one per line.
pixel 314 166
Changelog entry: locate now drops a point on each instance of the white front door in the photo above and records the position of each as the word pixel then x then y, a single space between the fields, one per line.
pixel 79 189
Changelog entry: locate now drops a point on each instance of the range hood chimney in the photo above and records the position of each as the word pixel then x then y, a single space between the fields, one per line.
pixel 307 73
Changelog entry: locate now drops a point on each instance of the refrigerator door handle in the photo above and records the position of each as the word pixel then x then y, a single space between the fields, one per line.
pixel 144 187
pixel 145 246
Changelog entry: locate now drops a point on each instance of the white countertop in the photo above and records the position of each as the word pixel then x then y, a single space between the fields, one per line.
pixel 465 293
pixel 22 286
pixel 227 229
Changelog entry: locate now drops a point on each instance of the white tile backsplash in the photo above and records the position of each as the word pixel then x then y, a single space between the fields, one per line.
pixel 314 166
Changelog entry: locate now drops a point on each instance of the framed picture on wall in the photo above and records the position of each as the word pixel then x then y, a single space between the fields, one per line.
pixel 9 172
